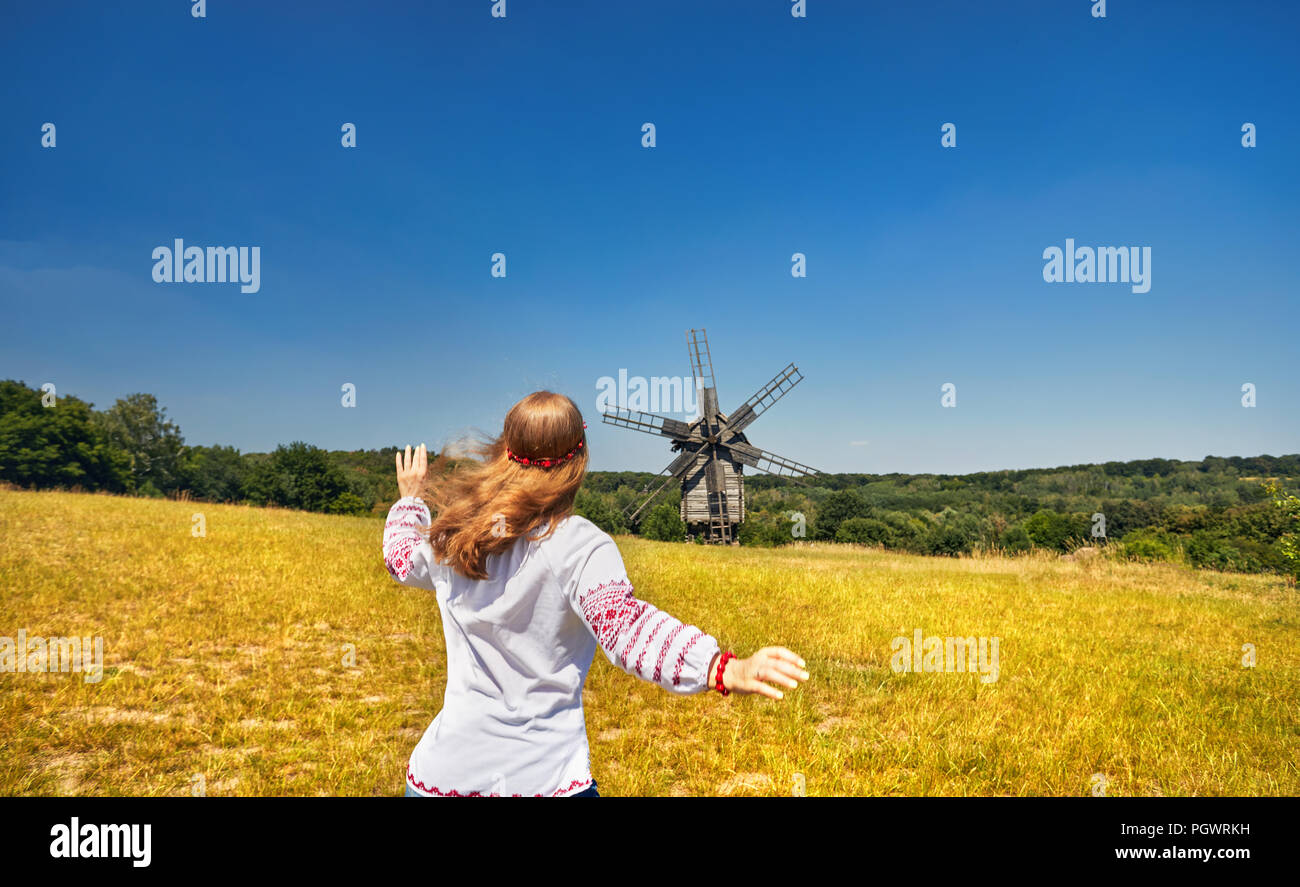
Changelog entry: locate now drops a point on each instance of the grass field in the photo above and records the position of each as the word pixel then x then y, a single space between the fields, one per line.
pixel 225 662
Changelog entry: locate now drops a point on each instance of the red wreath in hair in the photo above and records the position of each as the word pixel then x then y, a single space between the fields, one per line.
pixel 545 463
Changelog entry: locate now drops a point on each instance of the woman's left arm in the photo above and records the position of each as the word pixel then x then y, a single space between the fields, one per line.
pixel 407 554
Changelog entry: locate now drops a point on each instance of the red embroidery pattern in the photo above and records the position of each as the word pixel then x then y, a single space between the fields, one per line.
pixel 651 610
pixel 646 648
pixel 681 659
pixel 452 793
pixel 401 516
pixel 611 610
pixel 401 536
pixel 663 651
pixel 397 558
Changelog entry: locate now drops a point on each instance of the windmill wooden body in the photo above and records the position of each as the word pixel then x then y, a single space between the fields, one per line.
pixel 712 451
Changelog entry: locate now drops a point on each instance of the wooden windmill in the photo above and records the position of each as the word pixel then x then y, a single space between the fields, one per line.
pixel 712 450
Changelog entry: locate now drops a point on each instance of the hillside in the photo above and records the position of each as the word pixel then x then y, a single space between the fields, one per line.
pixel 226 665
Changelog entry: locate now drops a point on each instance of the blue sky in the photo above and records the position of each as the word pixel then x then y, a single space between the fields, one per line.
pixel 775 135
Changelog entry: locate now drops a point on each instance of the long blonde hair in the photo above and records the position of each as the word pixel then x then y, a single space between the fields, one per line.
pixel 481 507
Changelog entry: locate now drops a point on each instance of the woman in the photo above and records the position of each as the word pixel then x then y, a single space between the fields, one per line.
pixel 527 590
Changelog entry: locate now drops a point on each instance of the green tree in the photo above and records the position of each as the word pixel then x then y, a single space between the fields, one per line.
pixel 58 445
pixel 766 529
pixel 1149 544
pixel 664 523
pixel 1015 540
pixel 866 531
pixel 909 531
pixel 1289 542
pixel 837 508
pixel 1050 529
pixel 302 476
pixel 597 508
pixel 140 428
pixel 347 503
pixel 953 535
pixel 216 474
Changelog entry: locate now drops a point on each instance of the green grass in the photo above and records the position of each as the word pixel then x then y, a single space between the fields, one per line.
pixel 225 654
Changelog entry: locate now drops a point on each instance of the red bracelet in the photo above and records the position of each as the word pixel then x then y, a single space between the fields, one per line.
pixel 722 666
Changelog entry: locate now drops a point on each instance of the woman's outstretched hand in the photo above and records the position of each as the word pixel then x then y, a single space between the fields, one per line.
pixel 411 469
pixel 775 664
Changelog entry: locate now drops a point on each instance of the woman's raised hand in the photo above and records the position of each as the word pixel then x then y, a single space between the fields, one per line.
pixel 411 469
pixel 775 664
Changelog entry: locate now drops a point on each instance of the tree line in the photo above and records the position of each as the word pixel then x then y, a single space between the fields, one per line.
pixel 133 448
pixel 1228 513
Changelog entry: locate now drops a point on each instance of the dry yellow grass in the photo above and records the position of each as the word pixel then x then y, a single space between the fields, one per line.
pixel 225 656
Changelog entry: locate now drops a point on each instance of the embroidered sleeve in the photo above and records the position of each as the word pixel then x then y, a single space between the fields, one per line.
pixel 407 554
pixel 637 636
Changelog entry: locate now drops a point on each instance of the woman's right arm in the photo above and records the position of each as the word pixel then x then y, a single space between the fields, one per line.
pixel 651 644
pixel 641 639
pixel 744 676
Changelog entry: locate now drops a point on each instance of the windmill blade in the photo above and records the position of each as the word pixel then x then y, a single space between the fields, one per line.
pixel 697 344
pixel 769 462
pixel 674 470
pixel 701 360
pixel 769 394
pixel 650 423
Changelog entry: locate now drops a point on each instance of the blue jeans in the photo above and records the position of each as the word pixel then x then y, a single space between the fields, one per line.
pixel 589 792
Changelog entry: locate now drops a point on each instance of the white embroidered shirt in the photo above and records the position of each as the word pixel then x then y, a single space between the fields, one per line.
pixel 519 646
